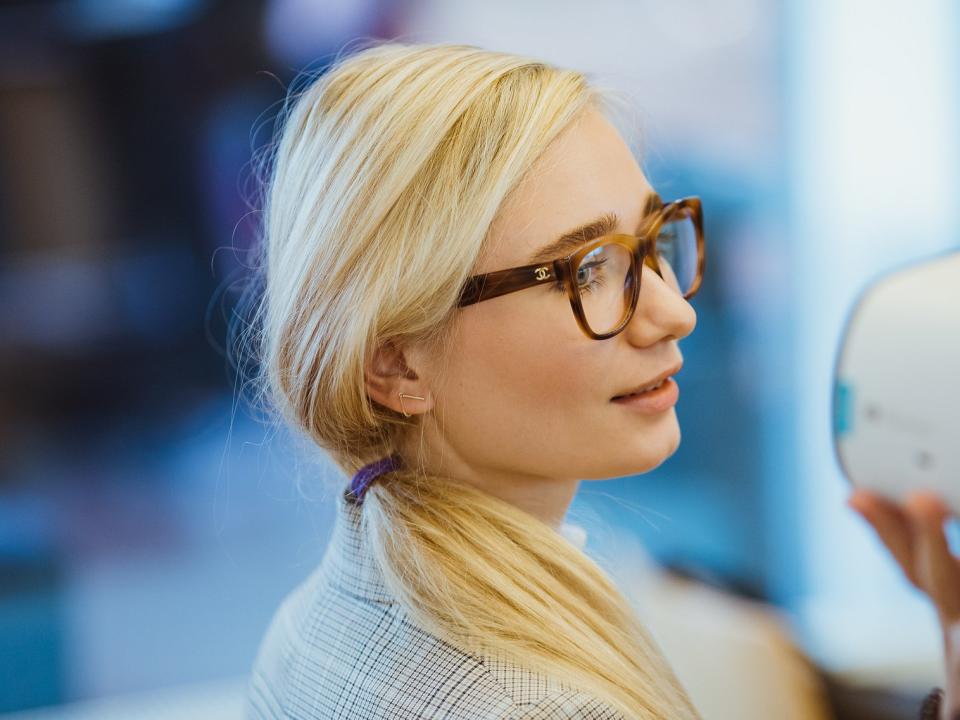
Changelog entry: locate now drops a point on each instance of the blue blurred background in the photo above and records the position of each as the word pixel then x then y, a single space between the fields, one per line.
pixel 149 525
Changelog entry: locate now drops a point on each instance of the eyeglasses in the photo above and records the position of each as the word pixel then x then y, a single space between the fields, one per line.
pixel 602 278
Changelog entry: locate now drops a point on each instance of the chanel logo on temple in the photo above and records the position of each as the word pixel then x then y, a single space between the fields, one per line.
pixel 542 273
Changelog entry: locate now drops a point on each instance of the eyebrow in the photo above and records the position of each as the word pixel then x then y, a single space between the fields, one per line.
pixel 572 239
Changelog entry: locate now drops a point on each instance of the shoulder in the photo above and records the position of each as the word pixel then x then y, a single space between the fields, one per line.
pixel 567 704
pixel 328 653
pixel 537 696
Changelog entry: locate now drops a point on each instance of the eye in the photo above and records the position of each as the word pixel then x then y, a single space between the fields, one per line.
pixel 589 276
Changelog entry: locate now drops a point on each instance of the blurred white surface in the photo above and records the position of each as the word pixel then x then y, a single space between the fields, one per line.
pixel 737 658
pixel 211 701
pixel 673 59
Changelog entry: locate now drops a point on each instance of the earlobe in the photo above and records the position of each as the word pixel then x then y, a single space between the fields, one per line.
pixel 390 382
pixel 403 395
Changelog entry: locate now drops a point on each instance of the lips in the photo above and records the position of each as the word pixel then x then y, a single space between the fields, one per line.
pixel 650 383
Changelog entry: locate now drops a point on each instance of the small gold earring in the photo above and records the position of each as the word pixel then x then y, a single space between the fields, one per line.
pixel 402 396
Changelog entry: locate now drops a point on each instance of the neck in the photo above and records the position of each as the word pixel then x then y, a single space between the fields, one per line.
pixel 546 498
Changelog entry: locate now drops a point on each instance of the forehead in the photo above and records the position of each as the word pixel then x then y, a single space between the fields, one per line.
pixel 587 172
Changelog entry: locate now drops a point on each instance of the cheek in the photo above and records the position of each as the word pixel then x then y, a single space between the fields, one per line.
pixel 525 388
pixel 525 371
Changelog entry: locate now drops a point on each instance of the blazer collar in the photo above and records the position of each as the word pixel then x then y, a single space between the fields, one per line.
pixel 352 566
pixel 350 563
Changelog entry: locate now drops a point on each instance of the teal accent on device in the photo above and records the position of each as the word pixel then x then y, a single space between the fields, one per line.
pixel 842 408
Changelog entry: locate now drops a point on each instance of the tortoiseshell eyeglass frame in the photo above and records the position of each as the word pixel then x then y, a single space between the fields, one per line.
pixel 564 269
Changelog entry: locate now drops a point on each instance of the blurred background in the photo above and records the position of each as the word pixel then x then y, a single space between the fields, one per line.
pixel 150 525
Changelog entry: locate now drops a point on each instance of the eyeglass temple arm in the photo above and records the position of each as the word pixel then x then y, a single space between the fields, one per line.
pixel 501 282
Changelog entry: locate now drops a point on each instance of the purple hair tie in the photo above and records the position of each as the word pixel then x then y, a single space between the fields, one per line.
pixel 367 474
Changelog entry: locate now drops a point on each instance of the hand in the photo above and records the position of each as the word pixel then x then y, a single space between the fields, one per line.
pixel 913 533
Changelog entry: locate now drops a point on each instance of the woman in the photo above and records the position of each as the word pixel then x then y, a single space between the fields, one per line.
pixel 453 309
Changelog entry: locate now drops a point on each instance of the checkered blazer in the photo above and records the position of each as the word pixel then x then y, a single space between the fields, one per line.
pixel 340 646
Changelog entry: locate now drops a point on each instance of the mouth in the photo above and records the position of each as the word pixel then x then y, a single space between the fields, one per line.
pixel 652 384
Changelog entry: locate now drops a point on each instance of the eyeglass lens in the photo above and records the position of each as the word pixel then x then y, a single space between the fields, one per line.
pixel 605 275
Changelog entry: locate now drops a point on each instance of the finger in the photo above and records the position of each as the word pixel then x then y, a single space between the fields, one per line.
pixel 936 565
pixel 894 528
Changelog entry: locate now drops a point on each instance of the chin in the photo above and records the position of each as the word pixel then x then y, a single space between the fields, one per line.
pixel 654 452
pixel 641 452
pixel 637 464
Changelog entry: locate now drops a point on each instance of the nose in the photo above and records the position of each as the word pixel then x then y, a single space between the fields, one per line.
pixel 662 313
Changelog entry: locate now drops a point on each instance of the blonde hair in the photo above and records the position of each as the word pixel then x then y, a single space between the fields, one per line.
pixel 388 172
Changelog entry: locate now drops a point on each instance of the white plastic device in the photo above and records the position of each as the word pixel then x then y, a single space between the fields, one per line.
pixel 896 391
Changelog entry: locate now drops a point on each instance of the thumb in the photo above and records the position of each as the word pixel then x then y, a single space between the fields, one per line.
pixel 936 566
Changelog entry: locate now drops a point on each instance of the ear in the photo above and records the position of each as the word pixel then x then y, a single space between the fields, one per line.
pixel 387 374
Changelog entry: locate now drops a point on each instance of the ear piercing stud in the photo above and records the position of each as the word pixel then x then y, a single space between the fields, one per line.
pixel 402 396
